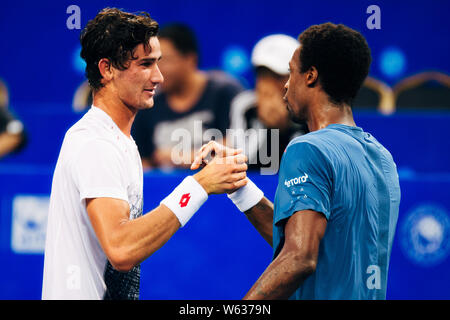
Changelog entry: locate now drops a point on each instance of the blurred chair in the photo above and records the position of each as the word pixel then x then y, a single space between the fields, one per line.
pixel 376 95
pixel 425 90
pixel 82 98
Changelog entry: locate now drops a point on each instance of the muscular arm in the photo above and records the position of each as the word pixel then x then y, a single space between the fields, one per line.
pixel 126 242
pixel 297 259
pixel 261 216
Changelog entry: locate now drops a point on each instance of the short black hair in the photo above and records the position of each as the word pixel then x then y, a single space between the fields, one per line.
pixel 341 56
pixel 182 37
pixel 114 34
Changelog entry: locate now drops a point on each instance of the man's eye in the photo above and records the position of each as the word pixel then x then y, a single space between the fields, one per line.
pixel 147 63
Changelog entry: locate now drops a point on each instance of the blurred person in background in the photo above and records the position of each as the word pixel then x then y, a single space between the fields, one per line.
pixel 12 134
pixel 190 101
pixel 97 234
pixel 333 220
pixel 261 112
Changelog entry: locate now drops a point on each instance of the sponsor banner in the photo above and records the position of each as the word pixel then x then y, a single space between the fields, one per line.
pixel 425 235
pixel 29 223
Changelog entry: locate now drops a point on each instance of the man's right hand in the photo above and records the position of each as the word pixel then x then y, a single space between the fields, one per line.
pixel 215 150
pixel 223 174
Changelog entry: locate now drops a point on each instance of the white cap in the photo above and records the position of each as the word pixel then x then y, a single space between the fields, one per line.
pixel 274 52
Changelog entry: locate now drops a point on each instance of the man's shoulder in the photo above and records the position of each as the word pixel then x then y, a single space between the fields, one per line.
pixel 318 139
pixel 88 132
pixel 321 144
pixel 221 80
pixel 221 87
pixel 325 137
pixel 84 128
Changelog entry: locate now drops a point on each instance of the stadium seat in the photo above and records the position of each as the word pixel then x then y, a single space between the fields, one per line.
pixel 376 95
pixel 426 90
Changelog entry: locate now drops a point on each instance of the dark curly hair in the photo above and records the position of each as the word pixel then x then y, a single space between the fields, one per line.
pixel 114 34
pixel 341 56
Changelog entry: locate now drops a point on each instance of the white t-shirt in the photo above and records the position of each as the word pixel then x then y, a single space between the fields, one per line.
pixel 96 160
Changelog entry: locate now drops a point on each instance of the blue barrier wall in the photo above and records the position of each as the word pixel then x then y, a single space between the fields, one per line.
pixel 219 255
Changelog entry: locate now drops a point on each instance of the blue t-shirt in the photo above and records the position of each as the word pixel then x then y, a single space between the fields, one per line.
pixel 348 176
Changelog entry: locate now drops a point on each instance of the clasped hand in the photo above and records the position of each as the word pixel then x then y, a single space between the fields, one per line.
pixel 224 168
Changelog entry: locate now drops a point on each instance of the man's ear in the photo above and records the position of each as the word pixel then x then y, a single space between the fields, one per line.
pixel 105 68
pixel 312 76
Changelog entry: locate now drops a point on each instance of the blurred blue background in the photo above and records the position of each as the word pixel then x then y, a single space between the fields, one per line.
pixel 218 255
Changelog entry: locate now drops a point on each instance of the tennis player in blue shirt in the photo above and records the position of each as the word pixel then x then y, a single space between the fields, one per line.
pixel 336 206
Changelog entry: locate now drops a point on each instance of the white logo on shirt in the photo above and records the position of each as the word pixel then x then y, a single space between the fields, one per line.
pixel 295 181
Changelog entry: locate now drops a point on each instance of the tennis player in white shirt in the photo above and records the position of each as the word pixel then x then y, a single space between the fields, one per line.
pixel 97 235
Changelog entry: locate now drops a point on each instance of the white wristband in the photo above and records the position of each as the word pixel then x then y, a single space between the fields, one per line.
pixel 186 199
pixel 246 197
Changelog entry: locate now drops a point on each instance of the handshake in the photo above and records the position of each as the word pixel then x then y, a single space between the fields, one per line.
pixel 223 171
pixel 224 168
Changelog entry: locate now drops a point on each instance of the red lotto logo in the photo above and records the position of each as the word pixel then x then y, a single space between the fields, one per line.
pixel 185 199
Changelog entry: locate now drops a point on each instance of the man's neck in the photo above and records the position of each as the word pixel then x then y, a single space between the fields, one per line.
pixel 323 112
pixel 122 115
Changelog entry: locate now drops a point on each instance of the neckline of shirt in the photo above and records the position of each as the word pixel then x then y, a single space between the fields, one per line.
pixel 344 126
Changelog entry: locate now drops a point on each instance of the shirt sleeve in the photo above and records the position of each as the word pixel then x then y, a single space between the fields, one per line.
pixel 305 181
pixel 99 171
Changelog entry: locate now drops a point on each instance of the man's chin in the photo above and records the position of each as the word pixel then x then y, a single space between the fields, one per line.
pixel 291 113
pixel 295 118
pixel 147 105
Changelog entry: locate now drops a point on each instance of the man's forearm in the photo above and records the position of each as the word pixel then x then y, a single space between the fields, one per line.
pixel 297 259
pixel 127 242
pixel 261 216
pixel 156 228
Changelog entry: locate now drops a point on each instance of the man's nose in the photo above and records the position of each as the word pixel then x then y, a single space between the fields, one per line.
pixel 157 76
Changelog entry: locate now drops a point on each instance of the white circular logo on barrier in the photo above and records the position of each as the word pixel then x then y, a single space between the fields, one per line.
pixel 425 235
